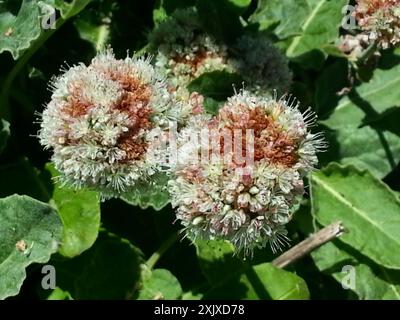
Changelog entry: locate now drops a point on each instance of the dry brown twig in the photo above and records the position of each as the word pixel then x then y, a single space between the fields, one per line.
pixel 316 240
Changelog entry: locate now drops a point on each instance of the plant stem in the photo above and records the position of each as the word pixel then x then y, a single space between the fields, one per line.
pixel 152 261
pixel 367 53
pixel 323 236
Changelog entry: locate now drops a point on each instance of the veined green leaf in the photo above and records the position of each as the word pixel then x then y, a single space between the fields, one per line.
pixel 370 281
pixel 80 214
pixel 30 231
pixel 369 210
pixel 320 27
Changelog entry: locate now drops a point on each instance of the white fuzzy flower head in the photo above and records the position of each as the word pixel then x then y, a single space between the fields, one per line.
pixel 249 207
pixel 185 51
pixel 104 120
pixel 380 20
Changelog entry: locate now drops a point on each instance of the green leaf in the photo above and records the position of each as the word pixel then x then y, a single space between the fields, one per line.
pixel 93 29
pixel 375 96
pixel 58 294
pixel 70 9
pixel 285 16
pixel 110 269
pixel 369 210
pixel 216 84
pixel 152 194
pixel 365 147
pixel 160 285
pixel 18 32
pixel 319 28
pixel 29 233
pixel 233 278
pixel 387 121
pixel 4 133
pixel 80 215
pixel 372 282
pixel 373 149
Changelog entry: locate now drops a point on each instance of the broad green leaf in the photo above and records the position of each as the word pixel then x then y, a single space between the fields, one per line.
pixel 369 210
pixel 371 281
pixel 22 178
pixel 80 214
pixel 233 278
pixel 371 98
pixel 18 32
pixel 216 84
pixel 286 16
pixel 30 232
pixel 319 28
pixel 160 285
pixel 387 121
pixel 370 149
pixel 4 133
pixel 152 194
pixel 110 269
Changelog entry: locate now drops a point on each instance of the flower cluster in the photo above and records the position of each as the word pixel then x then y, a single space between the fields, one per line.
pixel 185 51
pixel 109 126
pixel 104 123
pixel 380 19
pixel 247 203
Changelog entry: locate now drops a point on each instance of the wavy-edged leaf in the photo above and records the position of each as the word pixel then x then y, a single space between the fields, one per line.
pixel 80 214
pixel 152 194
pixel 18 32
pixel 369 210
pixel 30 232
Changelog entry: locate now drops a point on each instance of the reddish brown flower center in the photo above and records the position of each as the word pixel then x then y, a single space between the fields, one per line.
pixel 271 142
